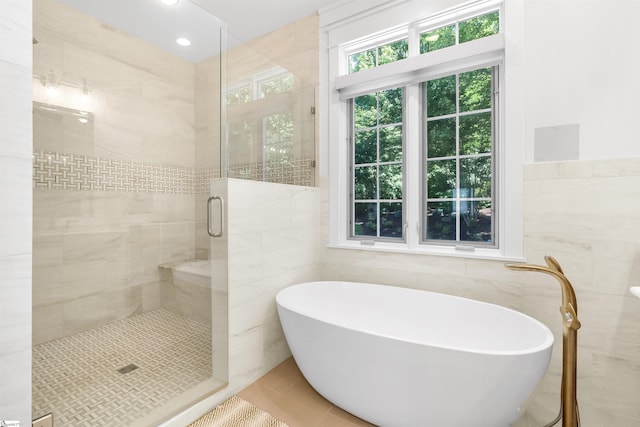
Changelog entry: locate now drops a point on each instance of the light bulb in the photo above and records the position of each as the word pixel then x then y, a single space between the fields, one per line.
pixel 52 91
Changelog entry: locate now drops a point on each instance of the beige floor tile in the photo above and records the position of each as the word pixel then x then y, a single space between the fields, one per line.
pixel 285 394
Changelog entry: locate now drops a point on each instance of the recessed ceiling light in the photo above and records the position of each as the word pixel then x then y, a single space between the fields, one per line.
pixel 169 2
pixel 183 42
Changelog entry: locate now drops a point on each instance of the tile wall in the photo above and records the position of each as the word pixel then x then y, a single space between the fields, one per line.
pixel 587 215
pixel 15 210
pixel 113 202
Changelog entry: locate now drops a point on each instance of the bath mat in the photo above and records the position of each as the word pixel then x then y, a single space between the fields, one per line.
pixel 236 412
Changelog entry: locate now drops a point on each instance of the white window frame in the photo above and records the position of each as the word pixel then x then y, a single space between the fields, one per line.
pixel 508 159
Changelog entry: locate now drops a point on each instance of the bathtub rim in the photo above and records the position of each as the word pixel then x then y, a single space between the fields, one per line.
pixel 547 344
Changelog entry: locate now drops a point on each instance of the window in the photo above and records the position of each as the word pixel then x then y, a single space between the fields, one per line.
pixel 377 170
pixel 261 126
pixel 425 168
pixel 458 139
pixel 380 55
pixel 470 29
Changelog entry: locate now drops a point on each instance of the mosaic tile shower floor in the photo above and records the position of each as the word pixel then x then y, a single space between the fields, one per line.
pixel 76 377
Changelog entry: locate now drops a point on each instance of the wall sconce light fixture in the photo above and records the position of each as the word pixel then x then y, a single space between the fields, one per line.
pixel 52 84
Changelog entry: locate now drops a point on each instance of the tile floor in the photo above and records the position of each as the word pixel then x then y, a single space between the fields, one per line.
pixel 284 393
pixel 76 377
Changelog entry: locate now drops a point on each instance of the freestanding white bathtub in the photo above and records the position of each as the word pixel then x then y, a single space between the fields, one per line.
pixel 403 357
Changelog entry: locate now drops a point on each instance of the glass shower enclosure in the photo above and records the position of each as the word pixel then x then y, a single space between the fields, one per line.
pixel 130 291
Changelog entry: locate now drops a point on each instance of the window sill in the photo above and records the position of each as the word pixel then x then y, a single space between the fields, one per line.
pixel 448 251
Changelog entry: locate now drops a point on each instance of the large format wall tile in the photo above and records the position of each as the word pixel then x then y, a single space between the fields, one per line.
pixel 266 255
pixel 15 117
pixel 15 210
pixel 114 201
pixel 15 206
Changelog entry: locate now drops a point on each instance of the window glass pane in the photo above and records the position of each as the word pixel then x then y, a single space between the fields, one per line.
pixel 476 221
pixel 280 84
pixel 475 133
pixel 242 140
pixel 365 111
pixel 365 185
pixel 441 220
pixel 441 179
pixel 239 96
pixel 391 144
pixel 475 177
pixel 479 27
pixel 362 60
pixel 278 137
pixel 391 182
pixel 438 39
pixel 365 147
pixel 441 96
pixel 390 106
pixel 365 219
pixel 393 51
pixel 391 219
pixel 475 90
pixel 441 138
pixel 378 144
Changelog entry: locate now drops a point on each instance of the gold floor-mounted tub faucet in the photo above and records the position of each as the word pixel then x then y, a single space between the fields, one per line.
pixel 571 324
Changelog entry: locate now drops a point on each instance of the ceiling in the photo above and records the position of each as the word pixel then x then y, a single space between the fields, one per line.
pixel 161 25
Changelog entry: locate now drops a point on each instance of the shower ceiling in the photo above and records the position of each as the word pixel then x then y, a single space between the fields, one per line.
pixel 161 25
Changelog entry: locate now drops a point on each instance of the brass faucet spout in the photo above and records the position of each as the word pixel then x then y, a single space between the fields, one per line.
pixel 571 324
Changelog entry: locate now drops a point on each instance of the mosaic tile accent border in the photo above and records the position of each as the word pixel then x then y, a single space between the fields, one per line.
pixel 298 172
pixel 78 172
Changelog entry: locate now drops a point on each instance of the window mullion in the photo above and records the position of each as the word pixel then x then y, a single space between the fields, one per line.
pixel 458 168
pixel 413 158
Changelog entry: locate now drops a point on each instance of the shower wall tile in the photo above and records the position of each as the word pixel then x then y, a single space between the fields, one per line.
pixel 67 24
pixel 14 26
pixel 15 320
pixel 91 311
pixel 15 205
pixel 14 82
pixel 77 263
pixel 138 54
pixel 15 210
pixel 85 247
pixel 104 204
pixel 292 46
pixel 15 392
pixel 269 249
pixel 48 323
pixel 189 297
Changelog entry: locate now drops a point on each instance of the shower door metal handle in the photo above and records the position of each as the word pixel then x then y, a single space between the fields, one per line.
pixel 209 226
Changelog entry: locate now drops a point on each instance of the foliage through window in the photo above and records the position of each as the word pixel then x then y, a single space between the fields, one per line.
pixel 460 32
pixel 279 84
pixel 453 191
pixel 458 157
pixel 259 129
pixel 377 164
pixel 379 55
